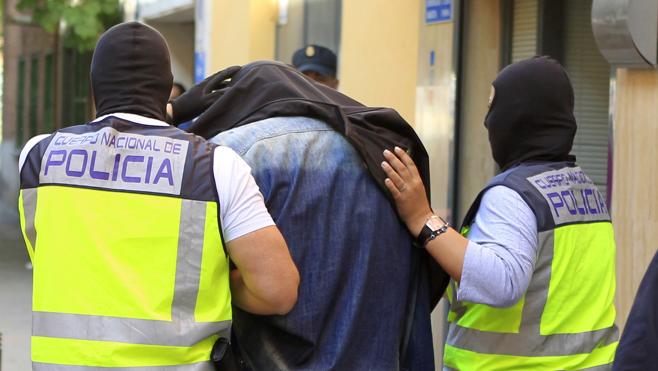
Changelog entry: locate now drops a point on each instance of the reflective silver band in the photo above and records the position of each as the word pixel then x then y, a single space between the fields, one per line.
pixel 529 341
pixel 201 366
pixel 536 295
pixel 599 368
pixel 188 262
pixel 29 212
pixel 126 330
pixel 530 346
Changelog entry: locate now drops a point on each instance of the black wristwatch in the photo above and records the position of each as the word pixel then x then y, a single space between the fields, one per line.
pixel 433 228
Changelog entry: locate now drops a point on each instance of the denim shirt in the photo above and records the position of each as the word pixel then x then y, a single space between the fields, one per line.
pixel 353 254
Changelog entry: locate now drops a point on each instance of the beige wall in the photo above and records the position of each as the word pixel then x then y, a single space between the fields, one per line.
pixel 378 54
pixel 481 62
pixel 180 38
pixel 379 51
pixel 634 200
pixel 241 31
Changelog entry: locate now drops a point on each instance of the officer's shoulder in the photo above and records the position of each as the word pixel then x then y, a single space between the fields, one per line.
pixel 29 146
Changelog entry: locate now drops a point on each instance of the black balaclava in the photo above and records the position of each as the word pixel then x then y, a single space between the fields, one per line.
pixel 531 115
pixel 131 71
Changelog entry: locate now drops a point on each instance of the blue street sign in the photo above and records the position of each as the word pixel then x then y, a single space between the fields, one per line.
pixel 437 11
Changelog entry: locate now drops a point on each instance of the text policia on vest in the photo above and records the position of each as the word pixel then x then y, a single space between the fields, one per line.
pixel 130 161
pixel 569 192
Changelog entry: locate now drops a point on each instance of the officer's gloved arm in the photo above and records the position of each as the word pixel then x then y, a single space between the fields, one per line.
pixel 267 279
pixel 195 101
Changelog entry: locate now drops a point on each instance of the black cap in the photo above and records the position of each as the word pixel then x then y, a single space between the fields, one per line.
pixel 315 58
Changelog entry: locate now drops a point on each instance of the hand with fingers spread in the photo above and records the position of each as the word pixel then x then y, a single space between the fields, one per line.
pixel 445 245
pixel 196 100
pixel 406 187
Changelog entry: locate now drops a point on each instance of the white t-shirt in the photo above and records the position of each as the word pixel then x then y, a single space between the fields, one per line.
pixel 241 207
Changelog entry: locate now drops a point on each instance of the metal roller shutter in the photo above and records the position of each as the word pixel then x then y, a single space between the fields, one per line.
pixel 590 76
pixel 524 29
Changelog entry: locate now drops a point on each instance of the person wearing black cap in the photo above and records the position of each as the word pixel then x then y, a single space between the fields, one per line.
pixel 318 63
pixel 534 272
pixel 136 221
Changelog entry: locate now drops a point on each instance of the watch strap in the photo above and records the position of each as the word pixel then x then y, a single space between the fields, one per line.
pixel 427 233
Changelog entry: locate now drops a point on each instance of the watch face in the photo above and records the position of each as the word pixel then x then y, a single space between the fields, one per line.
pixel 434 224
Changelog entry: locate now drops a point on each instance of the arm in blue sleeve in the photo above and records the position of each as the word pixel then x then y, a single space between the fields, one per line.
pixel 502 250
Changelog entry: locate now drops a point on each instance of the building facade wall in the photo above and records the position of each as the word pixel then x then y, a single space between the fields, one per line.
pixel 481 50
pixel 27 44
pixel 180 38
pixel 241 31
pixel 635 175
pixel 379 53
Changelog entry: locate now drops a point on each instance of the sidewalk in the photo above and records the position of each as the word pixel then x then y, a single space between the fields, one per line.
pixel 15 294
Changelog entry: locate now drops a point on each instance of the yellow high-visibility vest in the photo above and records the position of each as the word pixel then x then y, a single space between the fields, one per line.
pixel 121 224
pixel 565 319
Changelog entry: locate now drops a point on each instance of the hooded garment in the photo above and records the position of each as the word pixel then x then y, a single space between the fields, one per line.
pixel 265 89
pixel 131 71
pixel 531 114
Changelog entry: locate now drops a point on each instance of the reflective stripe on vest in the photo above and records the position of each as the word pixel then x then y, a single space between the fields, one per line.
pixel 201 366
pixel 565 320
pixel 125 279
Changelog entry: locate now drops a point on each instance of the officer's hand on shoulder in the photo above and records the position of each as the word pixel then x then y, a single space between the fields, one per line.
pixel 406 187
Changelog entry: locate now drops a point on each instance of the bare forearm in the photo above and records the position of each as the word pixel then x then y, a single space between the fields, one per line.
pixel 449 250
pixel 267 280
pixel 252 301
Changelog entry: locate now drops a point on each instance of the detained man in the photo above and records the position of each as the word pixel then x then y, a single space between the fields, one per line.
pixel 364 300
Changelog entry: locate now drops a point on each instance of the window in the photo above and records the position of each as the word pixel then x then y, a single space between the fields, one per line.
pixel 20 104
pixel 75 88
pixel 34 97
pixel 308 22
pixel 524 29
pixel 48 96
pixel 322 23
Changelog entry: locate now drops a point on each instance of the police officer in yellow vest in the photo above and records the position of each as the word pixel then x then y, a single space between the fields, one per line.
pixel 130 224
pixel 534 277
